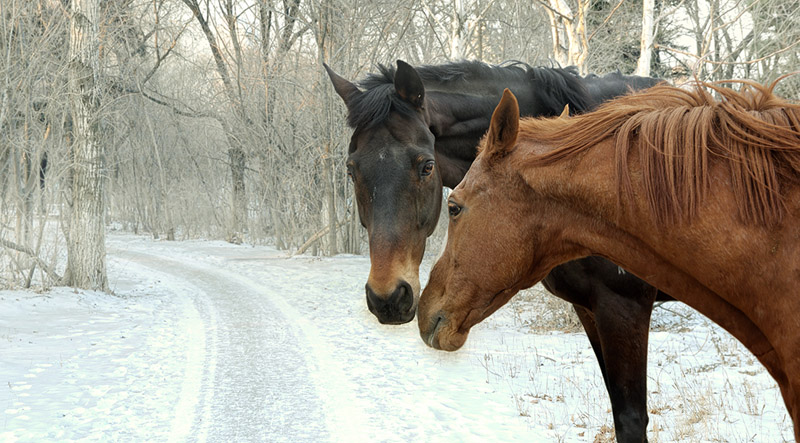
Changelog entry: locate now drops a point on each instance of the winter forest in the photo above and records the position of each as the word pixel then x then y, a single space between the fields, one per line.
pixel 182 258
pixel 214 119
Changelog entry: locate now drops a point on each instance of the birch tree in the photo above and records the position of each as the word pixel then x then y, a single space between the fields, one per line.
pixel 646 46
pixel 570 45
pixel 465 24
pixel 325 38
pixel 464 19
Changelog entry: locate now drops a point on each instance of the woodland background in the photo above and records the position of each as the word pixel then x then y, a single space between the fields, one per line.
pixel 214 118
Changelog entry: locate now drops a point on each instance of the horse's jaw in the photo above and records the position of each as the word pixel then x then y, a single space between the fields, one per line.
pixel 439 334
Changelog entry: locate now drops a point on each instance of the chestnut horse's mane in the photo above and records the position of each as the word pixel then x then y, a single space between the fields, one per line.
pixel 679 133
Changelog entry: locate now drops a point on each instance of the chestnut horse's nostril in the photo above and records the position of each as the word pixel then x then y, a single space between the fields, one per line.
pixel 431 338
pixel 395 308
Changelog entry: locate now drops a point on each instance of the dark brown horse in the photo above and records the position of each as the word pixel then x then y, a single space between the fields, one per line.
pixel 698 196
pixel 416 130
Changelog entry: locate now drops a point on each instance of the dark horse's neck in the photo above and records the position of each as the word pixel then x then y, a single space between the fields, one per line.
pixel 462 96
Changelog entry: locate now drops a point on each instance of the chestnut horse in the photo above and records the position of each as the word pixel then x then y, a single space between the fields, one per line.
pixel 698 196
pixel 416 130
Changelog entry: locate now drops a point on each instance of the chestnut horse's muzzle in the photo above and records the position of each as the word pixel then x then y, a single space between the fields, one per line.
pixel 394 309
pixel 440 334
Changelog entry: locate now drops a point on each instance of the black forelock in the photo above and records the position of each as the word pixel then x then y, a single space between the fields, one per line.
pixel 373 106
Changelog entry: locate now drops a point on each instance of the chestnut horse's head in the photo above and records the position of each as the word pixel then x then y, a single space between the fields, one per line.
pixel 486 261
pixel 397 184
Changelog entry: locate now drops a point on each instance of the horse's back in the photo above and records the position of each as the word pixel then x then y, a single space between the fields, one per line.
pixel 615 84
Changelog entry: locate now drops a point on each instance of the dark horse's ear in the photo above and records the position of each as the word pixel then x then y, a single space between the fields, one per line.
pixel 504 126
pixel 408 84
pixel 344 88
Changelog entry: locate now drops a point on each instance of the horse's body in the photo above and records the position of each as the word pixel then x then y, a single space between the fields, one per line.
pixel 416 131
pixel 698 197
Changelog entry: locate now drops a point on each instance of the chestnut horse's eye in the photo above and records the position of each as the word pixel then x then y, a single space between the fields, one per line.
pixel 427 168
pixel 453 209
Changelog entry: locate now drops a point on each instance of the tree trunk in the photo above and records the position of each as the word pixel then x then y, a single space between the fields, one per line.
pixel 330 199
pixel 646 43
pixel 238 162
pixel 562 19
pixel 458 33
pixel 86 251
pixel 555 37
pixel 163 199
pixel 325 45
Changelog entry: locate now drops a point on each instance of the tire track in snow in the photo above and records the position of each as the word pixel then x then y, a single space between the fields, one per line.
pixel 231 299
pixel 345 417
pixel 200 324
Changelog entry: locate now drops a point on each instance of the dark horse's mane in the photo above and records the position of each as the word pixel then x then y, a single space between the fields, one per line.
pixel 556 86
pixel 679 133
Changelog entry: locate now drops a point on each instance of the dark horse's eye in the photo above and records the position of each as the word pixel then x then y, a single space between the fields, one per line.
pixel 427 168
pixel 350 174
pixel 453 209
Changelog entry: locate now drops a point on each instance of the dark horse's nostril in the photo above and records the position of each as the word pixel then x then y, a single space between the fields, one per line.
pixel 372 299
pixel 377 305
pixel 395 308
pixel 405 297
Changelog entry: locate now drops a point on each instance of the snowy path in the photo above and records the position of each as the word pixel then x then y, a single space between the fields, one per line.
pixel 207 341
pixel 267 391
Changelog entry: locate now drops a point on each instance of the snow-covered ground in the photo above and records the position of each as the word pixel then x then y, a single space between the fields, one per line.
pixel 207 341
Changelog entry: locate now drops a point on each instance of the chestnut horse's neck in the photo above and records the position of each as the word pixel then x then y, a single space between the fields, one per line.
pixel 585 188
pixel 721 268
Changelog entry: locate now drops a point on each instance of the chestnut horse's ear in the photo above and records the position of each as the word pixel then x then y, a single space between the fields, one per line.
pixel 565 112
pixel 504 126
pixel 344 88
pixel 408 85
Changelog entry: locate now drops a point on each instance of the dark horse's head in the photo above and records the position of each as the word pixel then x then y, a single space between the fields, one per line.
pixel 416 130
pixel 397 183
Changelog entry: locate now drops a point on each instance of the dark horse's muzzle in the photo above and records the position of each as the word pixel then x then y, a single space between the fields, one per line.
pixel 394 309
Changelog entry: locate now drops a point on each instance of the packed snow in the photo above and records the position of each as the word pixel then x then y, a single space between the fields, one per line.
pixel 208 341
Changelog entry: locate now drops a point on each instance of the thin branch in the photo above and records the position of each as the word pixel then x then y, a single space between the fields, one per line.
pixel 555 12
pixel 610 14
pixel 191 113
pixel 161 57
pixel 714 62
pixel 669 12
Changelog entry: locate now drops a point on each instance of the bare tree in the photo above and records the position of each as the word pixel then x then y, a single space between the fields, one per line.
pixel 736 38
pixel 32 38
pixel 86 267
pixel 646 46
pixel 232 87
pixel 467 17
pixel 568 31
